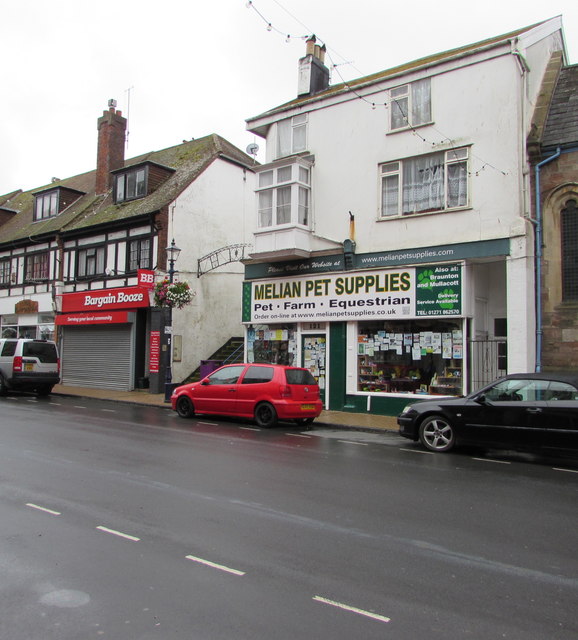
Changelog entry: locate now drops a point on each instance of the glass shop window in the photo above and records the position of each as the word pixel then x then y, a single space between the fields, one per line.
pixel 274 344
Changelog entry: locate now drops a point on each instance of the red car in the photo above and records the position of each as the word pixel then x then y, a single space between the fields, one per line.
pixel 264 392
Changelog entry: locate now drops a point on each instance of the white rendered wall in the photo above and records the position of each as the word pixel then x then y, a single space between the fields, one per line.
pixel 215 211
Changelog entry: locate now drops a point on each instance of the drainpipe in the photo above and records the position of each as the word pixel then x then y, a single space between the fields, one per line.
pixel 538 258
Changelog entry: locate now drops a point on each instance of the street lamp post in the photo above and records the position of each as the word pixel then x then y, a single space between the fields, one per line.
pixel 172 255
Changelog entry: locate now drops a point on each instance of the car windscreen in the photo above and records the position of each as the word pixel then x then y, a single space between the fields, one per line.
pixel 44 351
pixel 299 376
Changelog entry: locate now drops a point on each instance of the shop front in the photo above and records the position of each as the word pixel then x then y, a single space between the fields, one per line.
pixel 103 337
pixel 372 337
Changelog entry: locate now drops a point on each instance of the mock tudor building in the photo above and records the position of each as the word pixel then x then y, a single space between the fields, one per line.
pixel 78 258
pixel 394 250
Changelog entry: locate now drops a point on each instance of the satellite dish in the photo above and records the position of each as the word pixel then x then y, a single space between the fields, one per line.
pixel 252 149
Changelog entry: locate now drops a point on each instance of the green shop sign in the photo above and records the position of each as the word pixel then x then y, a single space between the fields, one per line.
pixel 432 291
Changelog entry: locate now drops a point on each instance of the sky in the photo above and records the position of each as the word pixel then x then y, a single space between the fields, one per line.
pixel 182 69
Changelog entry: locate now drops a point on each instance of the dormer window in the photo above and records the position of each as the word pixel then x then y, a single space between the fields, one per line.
pixel 139 181
pixel 131 185
pixel 51 202
pixel 46 205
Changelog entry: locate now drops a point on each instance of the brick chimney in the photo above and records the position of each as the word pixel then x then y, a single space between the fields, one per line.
pixel 111 139
pixel 313 74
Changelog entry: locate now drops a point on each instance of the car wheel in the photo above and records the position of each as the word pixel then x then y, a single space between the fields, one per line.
pixel 303 421
pixel 437 434
pixel 44 390
pixel 265 415
pixel 185 407
pixel 3 387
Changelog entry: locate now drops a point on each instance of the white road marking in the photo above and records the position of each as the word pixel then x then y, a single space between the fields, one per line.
pixel 209 424
pixel 55 404
pixel 567 470
pixel 297 435
pixel 50 511
pixel 216 566
pixel 78 407
pixel 346 607
pixel 249 428
pixel 490 460
pixel 427 453
pixel 109 410
pixel 361 444
pixel 118 533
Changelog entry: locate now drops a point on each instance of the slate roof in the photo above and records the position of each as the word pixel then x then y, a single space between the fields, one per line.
pixel 431 60
pixel 188 160
pixel 561 128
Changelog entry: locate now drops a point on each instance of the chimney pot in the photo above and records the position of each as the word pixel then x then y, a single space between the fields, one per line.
pixel 110 153
pixel 310 48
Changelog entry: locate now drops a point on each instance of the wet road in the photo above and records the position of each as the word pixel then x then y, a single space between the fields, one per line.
pixel 126 522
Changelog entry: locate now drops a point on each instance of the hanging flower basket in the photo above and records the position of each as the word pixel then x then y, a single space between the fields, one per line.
pixel 176 295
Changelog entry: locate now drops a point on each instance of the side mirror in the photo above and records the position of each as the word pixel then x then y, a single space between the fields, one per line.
pixel 481 399
pixel 205 382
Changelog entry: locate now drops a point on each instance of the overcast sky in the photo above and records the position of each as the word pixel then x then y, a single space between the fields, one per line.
pixel 197 67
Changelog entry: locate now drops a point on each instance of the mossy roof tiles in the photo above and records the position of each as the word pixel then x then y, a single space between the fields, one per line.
pixel 187 160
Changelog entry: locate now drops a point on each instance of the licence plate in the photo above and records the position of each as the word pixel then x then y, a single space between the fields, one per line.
pixel 28 366
pixel 307 407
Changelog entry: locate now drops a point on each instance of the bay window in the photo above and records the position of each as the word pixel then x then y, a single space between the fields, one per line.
pixel 283 196
pixel 432 182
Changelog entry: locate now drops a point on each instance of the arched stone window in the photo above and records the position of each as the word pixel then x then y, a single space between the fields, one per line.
pixel 569 243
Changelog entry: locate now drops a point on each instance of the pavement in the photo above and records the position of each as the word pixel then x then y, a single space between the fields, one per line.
pixel 336 419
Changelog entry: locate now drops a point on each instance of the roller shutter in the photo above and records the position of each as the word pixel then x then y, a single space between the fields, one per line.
pixel 98 357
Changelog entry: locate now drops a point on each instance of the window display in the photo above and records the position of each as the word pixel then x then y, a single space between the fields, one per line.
pixel 275 344
pixel 411 357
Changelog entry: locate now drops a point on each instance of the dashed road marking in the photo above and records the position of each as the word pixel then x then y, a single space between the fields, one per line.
pixel 346 607
pixel 249 429
pixel 427 453
pixel 214 565
pixel 39 508
pixel 118 533
pixel 361 444
pixel 491 460
pixel 298 435
pixel 566 470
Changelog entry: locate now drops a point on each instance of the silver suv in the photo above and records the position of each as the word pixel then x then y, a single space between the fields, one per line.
pixel 28 365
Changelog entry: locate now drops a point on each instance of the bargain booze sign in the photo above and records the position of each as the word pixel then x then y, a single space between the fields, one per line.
pixel 106 299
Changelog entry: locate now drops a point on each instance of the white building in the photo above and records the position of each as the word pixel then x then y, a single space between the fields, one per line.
pixel 394 250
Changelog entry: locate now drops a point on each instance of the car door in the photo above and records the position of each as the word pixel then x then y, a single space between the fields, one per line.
pixel 217 393
pixel 255 385
pixel 512 412
pixel 562 429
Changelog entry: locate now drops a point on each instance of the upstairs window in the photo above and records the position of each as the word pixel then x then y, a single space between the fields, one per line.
pixel 139 254
pixel 283 196
pixel 292 135
pixel 36 267
pixel 131 185
pixel 410 104
pixel 569 231
pixel 5 272
pixel 46 205
pixel 433 182
pixel 90 262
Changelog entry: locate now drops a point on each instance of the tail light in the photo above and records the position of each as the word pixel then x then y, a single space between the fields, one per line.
pixel 17 363
pixel 284 391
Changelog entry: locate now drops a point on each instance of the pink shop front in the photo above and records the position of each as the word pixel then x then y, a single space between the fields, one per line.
pixel 106 340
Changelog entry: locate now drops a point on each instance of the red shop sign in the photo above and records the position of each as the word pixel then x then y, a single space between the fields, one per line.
pixel 146 278
pixel 97 317
pixel 105 299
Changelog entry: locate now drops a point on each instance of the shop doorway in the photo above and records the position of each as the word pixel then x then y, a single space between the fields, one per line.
pixel 314 356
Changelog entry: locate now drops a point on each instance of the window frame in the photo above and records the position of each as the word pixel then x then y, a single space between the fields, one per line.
pixel 297 125
pixel 451 158
pixel 122 184
pixel 91 262
pixel 568 245
pixel 5 272
pixel 134 265
pixel 35 263
pixel 46 205
pixel 408 93
pixel 273 184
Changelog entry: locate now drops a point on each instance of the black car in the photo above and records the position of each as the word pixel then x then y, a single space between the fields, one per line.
pixel 520 411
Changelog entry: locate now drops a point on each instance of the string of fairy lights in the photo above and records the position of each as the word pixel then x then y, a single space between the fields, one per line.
pixel 334 66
